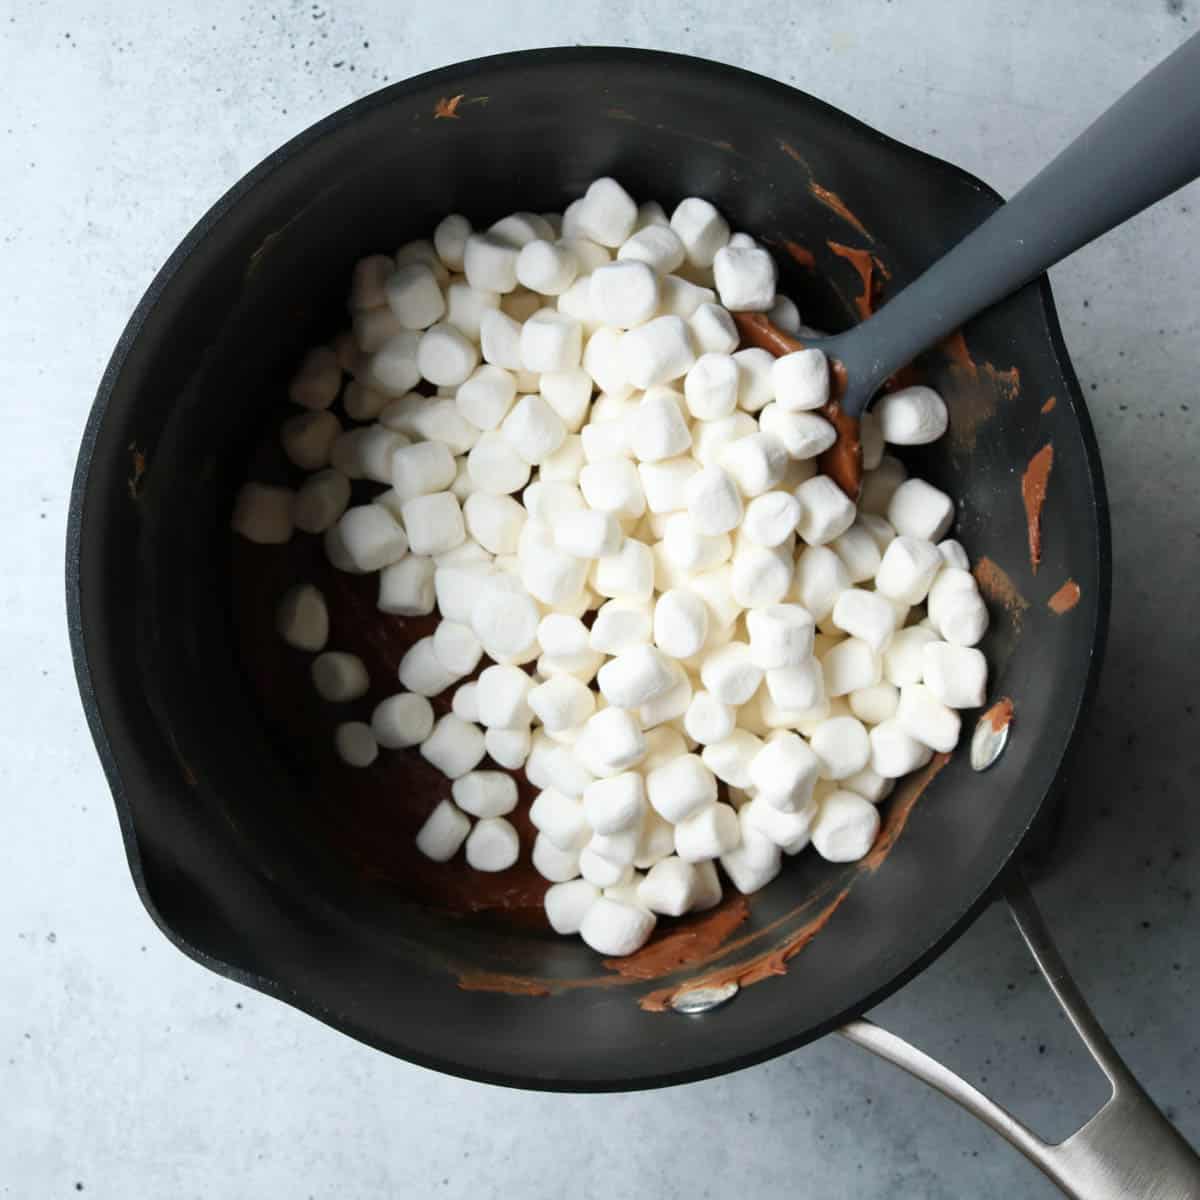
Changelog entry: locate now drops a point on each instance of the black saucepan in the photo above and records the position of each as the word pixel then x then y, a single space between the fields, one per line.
pixel 211 800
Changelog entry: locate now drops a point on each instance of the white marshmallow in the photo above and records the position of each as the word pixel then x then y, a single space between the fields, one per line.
pixel 907 569
pixel 464 704
pixel 421 670
pixel 434 523
pixel 437 419
pixel 842 745
pixel 880 485
pixel 500 340
pixel 650 212
pixel 607 213
pixel 956 675
pixel 919 510
pixel 701 229
pixel 566 903
pixel 800 381
pixel 711 438
pixel 894 752
pixel 493 845
pixel 761 576
pixel 628 574
pixel 588 534
pixel 603 872
pixel 820 578
pixel 606 438
pixel 714 502
pixel 616 804
pixel 485 398
pixel 953 554
pixel 865 615
pixel 681 787
pixel 662 745
pixel 758 462
pixel 414 296
pixel 551 341
pixel 569 394
pixel 903 660
pixel 755 389
pixel 870 786
pixel 562 703
pixel 611 741
pixel 731 674
pixel 367 282
pixel 784 771
pixel 657 429
pixel 708 721
pixel 263 514
pixel 876 704
pixel 658 246
pixel 729 759
pixel 373 327
pixel 602 360
pixel 669 887
pixel 754 862
pixel 624 295
pixel 319 503
pixel 490 262
pixel 457 648
pixel 450 240
pixel 495 466
pixel 956 609
pixel 845 827
pixel 546 267
pixel 485 793
pixel 559 866
pixel 613 485
pixel 563 636
pixel 565 464
pixel 923 716
pixel 613 928
pixel 495 522
pixel 559 818
pixel 555 578
pixel 680 623
pixel 315 384
pixel 826 512
pixel 657 352
pixel 533 429
pixel 745 278
pixel 711 386
pixel 308 437
pixel 444 831
pixel 799 688
pixel 505 618
pixel 713 330
pixel 771 518
pixel 850 665
pixel 422 251
pixel 804 434
pixel 446 356
pixel 689 549
pixel 339 677
pixel 454 746
pixel 665 483
pixel 393 368
pixel 790 831
pixel 620 626
pixel 635 677
pixel 912 416
pixel 669 705
pixel 521 228
pixel 421 469
pixel 371 537
pixel 465 308
pixel 707 833
pixel 302 618
pixel 508 748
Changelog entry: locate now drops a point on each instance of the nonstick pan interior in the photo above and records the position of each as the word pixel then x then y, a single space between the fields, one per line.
pixel 211 800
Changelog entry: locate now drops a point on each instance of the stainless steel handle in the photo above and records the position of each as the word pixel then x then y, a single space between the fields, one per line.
pixel 1127 1150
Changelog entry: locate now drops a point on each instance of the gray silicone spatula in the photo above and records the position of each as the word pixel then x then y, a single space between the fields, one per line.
pixel 1146 146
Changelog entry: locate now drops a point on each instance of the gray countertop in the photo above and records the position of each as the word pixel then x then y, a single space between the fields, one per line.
pixel 129 1071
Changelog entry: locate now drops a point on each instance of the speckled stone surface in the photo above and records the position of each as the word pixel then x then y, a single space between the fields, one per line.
pixel 128 1071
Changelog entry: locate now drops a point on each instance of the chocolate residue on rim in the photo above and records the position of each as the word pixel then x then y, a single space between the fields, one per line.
pixel 801 255
pixel 996 586
pixel 684 945
pixel 447 107
pixel 870 270
pixel 138 460
pixel 975 405
pixel 1048 407
pixel 1000 715
pixel 836 204
pixel 510 985
pixel 1033 492
pixel 1065 598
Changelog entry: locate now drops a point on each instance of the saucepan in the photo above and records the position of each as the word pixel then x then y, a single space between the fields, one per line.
pixel 215 803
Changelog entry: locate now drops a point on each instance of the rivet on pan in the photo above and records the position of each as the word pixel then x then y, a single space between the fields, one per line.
pixel 702 999
pixel 987 742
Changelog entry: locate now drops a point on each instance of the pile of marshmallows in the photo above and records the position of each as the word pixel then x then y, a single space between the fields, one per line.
pixel 765 659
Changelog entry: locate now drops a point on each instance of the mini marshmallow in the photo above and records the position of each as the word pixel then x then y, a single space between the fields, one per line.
pixel 373 328
pixel 956 675
pixel 754 379
pixel 421 469
pixel 707 720
pixel 302 619
pixel 561 703
pixel 845 827
pixel 485 793
pixel 771 518
pixel 953 554
pixel 850 665
pixel 611 741
pixel 658 246
pixel 555 578
pixel 504 617
pixel 870 786
pixel 620 626
pixel 454 746
pixel 485 398
pixel 956 609
pixel 562 636
pixel 493 845
pixel 919 510
pixel 805 435
pixel 456 647
pixel 434 523
pixel 628 574
pixel 761 576
pixel 680 623
pixel 308 437
pixel 665 483
pixel 819 579
pixel 689 549
pixel 745 278
pixel 263 514
pixel 446 356
pixel 907 569
pixel 500 340
pixel 450 240
pixel 464 704
pixel 601 871
pixel 367 282
pixel 422 251
pixel 456 586
pixel 624 295
pixel 800 381
pixel 790 831
pixel 565 464
pixel 315 385
pixel 731 674
pixel 551 341
pixel 797 689
pixel 588 534
pixel 711 386
pixel 490 263
pixel 784 771
pixel 371 537
pixel 319 503
pixel 437 419
pixel 613 485
pixel 707 833
pixel 923 716
pixel 352 448
pixel 903 660
pixel 635 677
pixel 758 462
pixel 912 416
pixel 876 704
pixel 754 862
pixel 865 615
pixel 495 522
pixel 339 677
pixel 879 485
pixel 842 745
pixel 466 306
pixel 559 866
pixel 421 671
pixel 681 787
pixel 713 330
pixel 656 353
pixel 444 831
pixel 701 229
pixel 669 887
pixel 606 437
pixel 616 804
pixel 546 267
pixel 393 368
pixel 613 928
pixel 568 393
pixel 521 228
pixel 607 213
pixel 566 903
pixel 859 552
pixel 662 745
pixel 533 429
pixel 825 511
pixel 668 705
pixel 559 818
pixel 714 502
pixel 894 752
pixel 602 360
pixel 729 759
pixel 508 748
pixel 711 438
pixel 495 466
pixel 414 296
pixel 657 429
pixel 650 212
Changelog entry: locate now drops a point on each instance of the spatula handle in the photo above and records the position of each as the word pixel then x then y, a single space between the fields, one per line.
pixel 1146 146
